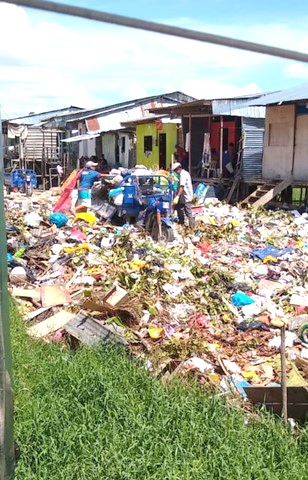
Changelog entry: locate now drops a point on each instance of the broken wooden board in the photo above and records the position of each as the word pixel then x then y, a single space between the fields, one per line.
pixel 33 293
pixel 271 398
pixel 52 295
pixel 36 313
pixel 69 179
pixel 90 331
pixel 50 325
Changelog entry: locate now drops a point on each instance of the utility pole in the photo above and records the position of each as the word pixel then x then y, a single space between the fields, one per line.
pixel 6 396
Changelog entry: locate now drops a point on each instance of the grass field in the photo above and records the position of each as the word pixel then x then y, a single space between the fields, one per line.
pixel 96 415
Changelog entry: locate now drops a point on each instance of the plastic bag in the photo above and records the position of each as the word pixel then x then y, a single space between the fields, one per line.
pixel 239 299
pixel 270 251
pixel 32 219
pixel 58 219
pixel 89 218
pixel 118 199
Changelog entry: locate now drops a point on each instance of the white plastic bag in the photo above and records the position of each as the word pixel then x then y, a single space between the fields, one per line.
pixel 118 199
pixel 32 219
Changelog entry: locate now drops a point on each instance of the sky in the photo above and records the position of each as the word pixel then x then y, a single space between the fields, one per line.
pixel 50 61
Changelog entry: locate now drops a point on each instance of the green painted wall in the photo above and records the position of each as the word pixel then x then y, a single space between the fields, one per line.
pixel 150 130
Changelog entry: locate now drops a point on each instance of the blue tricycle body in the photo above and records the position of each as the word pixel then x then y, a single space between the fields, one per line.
pixel 149 196
pixel 24 180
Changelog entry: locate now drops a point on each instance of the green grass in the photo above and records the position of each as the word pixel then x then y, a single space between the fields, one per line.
pixel 96 415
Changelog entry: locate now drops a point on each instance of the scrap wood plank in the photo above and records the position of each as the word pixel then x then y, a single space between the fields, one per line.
pixel 51 324
pixel 37 312
pixel 271 397
pixel 235 183
pixel 88 330
pixel 33 293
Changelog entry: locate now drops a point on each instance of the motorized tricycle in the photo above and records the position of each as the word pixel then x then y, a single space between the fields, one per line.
pixel 148 198
pixel 20 180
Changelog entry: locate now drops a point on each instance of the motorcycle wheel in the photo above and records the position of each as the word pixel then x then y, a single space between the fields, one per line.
pixel 166 235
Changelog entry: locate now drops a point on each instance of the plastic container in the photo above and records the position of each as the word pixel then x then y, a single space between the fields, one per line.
pixel 116 191
pixel 129 195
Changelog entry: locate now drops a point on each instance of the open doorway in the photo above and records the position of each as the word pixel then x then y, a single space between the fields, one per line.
pixel 162 144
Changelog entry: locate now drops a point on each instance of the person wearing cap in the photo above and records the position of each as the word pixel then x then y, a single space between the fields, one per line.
pixel 87 177
pixel 184 195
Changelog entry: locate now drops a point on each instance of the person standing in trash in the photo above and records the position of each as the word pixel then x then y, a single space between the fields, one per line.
pixel 87 177
pixel 184 195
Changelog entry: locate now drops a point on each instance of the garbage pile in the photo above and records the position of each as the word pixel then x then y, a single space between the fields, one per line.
pixel 212 303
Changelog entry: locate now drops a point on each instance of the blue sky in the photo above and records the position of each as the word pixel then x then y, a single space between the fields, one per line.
pixel 50 61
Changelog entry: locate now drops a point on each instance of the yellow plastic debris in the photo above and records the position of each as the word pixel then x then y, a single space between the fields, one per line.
pixel 269 258
pixel 79 248
pixel 89 218
pixel 137 265
pixel 215 378
pixel 235 223
pixel 94 270
pixel 156 332
pixel 208 220
pixel 249 375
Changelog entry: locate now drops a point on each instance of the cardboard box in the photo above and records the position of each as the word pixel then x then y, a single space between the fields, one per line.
pixel 115 296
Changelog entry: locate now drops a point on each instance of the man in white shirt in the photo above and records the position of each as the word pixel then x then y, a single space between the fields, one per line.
pixel 184 195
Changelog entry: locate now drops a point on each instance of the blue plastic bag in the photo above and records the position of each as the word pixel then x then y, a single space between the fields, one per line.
pixel 270 251
pixel 239 299
pixel 58 219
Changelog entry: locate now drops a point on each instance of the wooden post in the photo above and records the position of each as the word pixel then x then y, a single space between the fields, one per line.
pixel 189 153
pixel 221 145
pixel 284 393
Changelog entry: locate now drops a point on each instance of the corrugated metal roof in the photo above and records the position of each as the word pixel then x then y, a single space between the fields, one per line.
pixel 36 119
pixel 294 94
pixel 117 121
pixel 78 138
pixel 173 97
pixel 237 107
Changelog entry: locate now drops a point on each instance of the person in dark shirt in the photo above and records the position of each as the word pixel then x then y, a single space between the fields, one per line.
pixel 87 177
pixel 181 156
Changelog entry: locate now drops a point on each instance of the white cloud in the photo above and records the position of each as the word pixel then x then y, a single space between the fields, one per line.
pixel 297 70
pixel 48 65
pixel 208 89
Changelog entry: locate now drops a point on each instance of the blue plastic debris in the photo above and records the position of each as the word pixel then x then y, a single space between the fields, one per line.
pixel 270 251
pixel 58 219
pixel 239 299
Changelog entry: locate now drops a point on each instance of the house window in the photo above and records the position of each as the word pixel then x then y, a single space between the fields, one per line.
pixel 148 144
